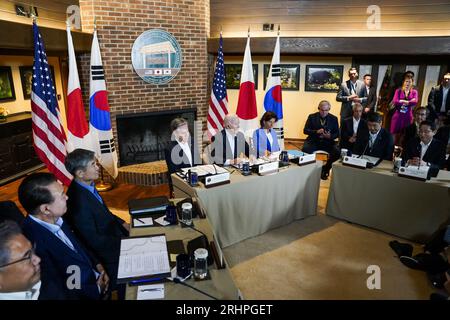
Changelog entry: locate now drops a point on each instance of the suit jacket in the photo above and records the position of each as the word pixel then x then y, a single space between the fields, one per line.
pixel 177 160
pixel 409 133
pixel 56 258
pixel 435 154
pixel 221 149
pixel 313 124
pixel 347 132
pixel 435 99
pixel 343 94
pixel 382 148
pixel 443 134
pixel 98 229
pixel 10 211
pixel 260 142
pixel 368 99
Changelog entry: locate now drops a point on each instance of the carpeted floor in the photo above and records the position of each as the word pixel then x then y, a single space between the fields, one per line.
pixel 320 258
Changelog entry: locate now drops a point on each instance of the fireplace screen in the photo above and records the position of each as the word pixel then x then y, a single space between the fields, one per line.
pixel 144 137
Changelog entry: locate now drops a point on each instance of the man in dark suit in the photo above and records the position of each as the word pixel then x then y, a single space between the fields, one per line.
pixel 426 151
pixel 10 211
pixel 182 151
pixel 351 126
pixel 322 129
pixel 68 270
pixel 439 97
pixel 443 132
pixel 368 96
pixel 376 141
pixel 412 131
pixel 229 145
pixel 99 229
pixel 348 93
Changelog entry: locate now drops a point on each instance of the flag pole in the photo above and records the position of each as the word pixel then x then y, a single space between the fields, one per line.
pixel 102 185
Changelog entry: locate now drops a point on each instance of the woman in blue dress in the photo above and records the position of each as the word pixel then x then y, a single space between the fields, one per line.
pixel 265 139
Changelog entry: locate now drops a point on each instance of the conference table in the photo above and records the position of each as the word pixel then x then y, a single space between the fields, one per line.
pixel 380 199
pixel 251 205
pixel 221 284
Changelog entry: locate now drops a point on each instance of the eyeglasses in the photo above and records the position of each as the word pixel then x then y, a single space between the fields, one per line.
pixel 28 256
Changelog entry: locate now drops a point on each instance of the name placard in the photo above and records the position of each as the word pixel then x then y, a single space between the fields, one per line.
pixel 306 159
pixel 414 172
pixel 355 162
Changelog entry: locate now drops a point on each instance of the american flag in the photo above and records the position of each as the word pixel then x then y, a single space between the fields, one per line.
pixel 48 134
pixel 218 103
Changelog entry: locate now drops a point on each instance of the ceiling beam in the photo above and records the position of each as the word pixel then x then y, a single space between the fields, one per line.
pixel 18 36
pixel 337 46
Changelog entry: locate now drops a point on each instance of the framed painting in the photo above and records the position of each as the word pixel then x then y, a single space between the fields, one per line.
pixel 289 74
pixel 26 76
pixel 7 92
pixel 323 78
pixel 233 75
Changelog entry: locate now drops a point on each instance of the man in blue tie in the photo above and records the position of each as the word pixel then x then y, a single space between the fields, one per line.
pixel 98 228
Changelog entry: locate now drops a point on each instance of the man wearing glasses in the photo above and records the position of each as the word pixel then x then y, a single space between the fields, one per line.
pixel 20 271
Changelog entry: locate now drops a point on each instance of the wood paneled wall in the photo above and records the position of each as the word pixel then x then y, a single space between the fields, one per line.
pixel 328 18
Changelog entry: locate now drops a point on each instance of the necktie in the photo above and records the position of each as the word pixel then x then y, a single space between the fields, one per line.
pixel 269 147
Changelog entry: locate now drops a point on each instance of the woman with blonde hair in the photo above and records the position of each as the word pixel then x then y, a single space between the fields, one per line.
pixel 405 99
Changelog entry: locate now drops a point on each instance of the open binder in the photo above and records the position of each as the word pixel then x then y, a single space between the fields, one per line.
pixel 144 257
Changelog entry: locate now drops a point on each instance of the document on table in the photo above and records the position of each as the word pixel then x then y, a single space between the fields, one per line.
pixel 443 175
pixel 143 257
pixel 142 222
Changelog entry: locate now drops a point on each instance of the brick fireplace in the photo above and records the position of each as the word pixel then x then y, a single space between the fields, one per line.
pixel 119 23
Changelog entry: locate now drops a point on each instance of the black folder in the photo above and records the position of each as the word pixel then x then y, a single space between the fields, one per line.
pixel 148 206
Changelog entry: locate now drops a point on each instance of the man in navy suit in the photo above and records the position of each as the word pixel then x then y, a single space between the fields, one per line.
pixel 97 227
pixel 426 151
pixel 322 129
pixel 376 141
pixel 351 126
pixel 182 151
pixel 68 271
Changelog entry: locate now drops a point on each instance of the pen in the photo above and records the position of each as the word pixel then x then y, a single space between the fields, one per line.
pixel 140 220
pixel 154 289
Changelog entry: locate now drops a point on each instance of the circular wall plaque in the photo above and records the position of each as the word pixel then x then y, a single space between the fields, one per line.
pixel 156 56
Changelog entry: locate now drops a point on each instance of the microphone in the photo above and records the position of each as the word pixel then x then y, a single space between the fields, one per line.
pixel 178 281
pixel 419 148
pixel 365 149
pixel 204 242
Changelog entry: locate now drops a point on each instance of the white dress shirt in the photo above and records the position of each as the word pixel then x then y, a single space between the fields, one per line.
pixel 31 294
pixel 269 136
pixel 186 150
pixel 444 97
pixel 355 125
pixel 372 138
pixel 424 148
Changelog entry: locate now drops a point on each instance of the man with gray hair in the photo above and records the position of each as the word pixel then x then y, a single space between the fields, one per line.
pixel 20 271
pixel 229 145
pixel 99 229
pixel 351 126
